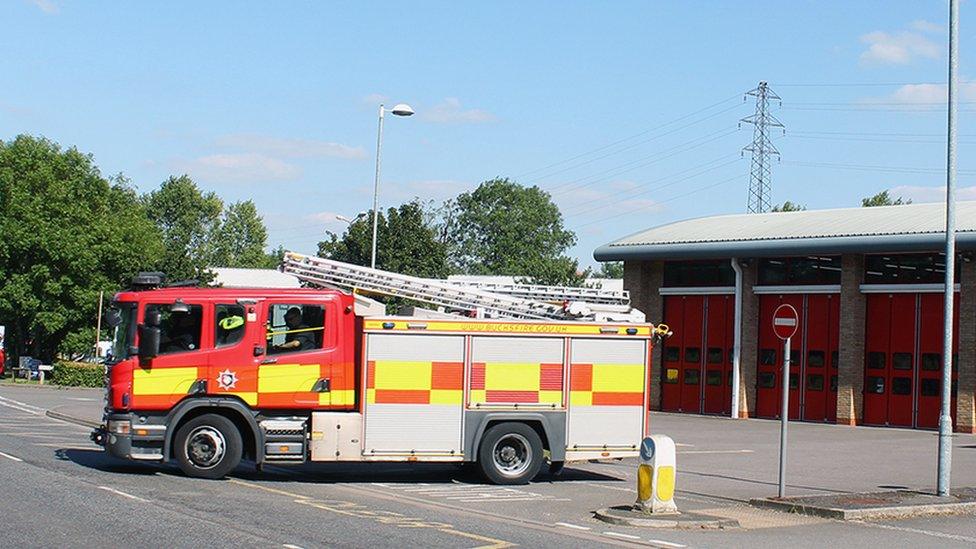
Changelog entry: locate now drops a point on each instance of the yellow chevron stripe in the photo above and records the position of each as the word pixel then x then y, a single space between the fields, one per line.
pixel 402 375
pixel 618 378
pixel 287 378
pixel 163 381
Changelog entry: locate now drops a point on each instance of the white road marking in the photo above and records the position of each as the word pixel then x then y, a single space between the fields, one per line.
pixel 83 399
pixel 19 406
pixel 63 446
pixel 666 543
pixel 717 452
pixel 618 535
pixel 682 444
pixel 8 456
pixel 290 546
pixel 942 535
pixel 123 494
pixel 574 526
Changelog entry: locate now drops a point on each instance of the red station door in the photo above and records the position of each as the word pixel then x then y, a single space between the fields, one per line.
pixel 813 358
pixel 697 369
pixel 903 359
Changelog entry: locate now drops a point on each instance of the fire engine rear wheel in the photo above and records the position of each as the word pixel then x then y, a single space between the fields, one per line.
pixel 208 446
pixel 510 453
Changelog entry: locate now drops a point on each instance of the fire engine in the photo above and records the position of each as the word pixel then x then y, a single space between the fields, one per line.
pixel 528 375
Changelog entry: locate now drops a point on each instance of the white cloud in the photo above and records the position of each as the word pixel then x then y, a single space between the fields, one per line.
pixel 289 148
pixel 238 168
pixel 917 193
pixel 933 96
pixel 927 26
pixel 450 111
pixel 47 6
pixel 900 48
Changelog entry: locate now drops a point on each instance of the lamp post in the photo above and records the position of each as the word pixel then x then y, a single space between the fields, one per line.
pixel 401 109
pixel 348 221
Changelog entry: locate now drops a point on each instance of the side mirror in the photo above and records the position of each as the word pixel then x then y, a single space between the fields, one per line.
pixel 113 317
pixel 148 341
pixel 153 317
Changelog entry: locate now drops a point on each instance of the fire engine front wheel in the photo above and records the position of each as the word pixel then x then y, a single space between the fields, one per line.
pixel 510 453
pixel 208 446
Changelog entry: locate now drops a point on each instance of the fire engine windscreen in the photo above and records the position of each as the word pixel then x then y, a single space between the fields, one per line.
pixel 124 330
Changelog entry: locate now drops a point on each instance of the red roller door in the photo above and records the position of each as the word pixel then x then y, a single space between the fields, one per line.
pixel 877 337
pixel 816 357
pixel 930 334
pixel 674 315
pixel 719 327
pixel 692 354
pixel 769 381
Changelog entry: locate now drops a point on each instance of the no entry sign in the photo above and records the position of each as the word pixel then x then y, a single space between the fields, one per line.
pixel 785 321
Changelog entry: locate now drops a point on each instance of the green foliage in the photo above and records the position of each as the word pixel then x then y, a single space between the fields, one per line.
pixel 611 269
pixel 503 228
pixel 188 220
pixel 78 374
pixel 67 233
pixel 406 242
pixel 240 238
pixel 883 199
pixel 789 207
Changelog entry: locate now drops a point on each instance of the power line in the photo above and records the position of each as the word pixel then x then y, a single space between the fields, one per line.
pixel 874 168
pixel 625 139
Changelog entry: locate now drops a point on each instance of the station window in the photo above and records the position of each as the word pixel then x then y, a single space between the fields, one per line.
pixel 794 382
pixel 692 376
pixel 179 330
pixel 713 377
pixel 815 382
pixel 930 387
pixel 692 354
pixel 901 385
pixel 767 357
pixel 672 354
pixel 834 359
pixel 876 360
pixel 815 359
pixel 931 361
pixel 906 269
pixel 715 355
pixel 688 274
pixel 874 385
pixel 901 361
pixel 794 271
pixel 833 384
pixel 671 375
pixel 767 380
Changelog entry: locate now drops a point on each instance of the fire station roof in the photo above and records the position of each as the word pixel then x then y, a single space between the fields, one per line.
pixel 907 228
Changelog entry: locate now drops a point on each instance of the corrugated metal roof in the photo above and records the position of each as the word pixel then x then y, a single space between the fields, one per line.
pixel 886 228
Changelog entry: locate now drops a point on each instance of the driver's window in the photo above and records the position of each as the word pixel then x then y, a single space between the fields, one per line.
pixel 295 327
pixel 179 331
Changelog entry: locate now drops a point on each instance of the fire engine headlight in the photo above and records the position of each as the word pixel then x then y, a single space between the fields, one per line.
pixel 119 427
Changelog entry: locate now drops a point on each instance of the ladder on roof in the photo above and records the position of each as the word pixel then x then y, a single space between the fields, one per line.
pixel 330 273
pixel 551 294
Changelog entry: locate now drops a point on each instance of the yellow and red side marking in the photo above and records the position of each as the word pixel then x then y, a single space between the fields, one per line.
pixel 519 383
pixel 606 384
pixel 414 382
pixel 498 327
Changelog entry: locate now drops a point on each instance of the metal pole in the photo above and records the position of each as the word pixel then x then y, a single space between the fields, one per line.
pixel 784 417
pixel 98 321
pixel 736 338
pixel 945 418
pixel 376 186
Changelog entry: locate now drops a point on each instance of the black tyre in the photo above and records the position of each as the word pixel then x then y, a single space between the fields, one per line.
pixel 208 446
pixel 510 453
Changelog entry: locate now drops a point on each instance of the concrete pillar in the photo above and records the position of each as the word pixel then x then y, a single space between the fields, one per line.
pixel 643 279
pixel 749 355
pixel 850 375
pixel 966 396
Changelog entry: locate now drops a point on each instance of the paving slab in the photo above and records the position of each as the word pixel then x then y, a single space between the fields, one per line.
pixel 874 505
pixel 627 515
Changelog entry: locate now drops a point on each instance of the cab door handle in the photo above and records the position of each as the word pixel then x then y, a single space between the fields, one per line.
pixel 269 361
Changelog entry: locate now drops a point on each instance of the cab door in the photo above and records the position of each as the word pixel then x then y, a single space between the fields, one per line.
pixel 296 369
pixel 180 368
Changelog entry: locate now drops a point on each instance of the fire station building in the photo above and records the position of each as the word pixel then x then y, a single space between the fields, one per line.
pixel 867 284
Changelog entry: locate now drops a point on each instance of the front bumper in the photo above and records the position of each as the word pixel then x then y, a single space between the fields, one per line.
pixel 143 441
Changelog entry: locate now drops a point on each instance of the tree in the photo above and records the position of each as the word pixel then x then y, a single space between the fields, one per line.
pixel 503 228
pixel 67 234
pixel 406 242
pixel 611 269
pixel 789 207
pixel 188 220
pixel 240 238
pixel 883 199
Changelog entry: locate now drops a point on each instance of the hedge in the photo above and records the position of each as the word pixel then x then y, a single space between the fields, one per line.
pixel 78 374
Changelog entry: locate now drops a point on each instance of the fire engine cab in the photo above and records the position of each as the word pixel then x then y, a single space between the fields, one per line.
pixel 210 376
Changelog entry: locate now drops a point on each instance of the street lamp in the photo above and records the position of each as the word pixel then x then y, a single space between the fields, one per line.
pixel 348 221
pixel 400 109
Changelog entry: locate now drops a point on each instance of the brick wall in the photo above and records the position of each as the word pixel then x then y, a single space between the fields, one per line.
pixel 965 405
pixel 749 355
pixel 850 382
pixel 643 279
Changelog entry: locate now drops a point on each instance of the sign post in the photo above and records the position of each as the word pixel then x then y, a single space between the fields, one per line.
pixel 785 322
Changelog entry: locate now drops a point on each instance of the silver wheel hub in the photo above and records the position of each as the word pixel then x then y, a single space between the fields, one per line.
pixel 205 447
pixel 512 455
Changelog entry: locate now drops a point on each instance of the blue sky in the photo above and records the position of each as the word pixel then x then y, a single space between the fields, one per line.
pixel 627 111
